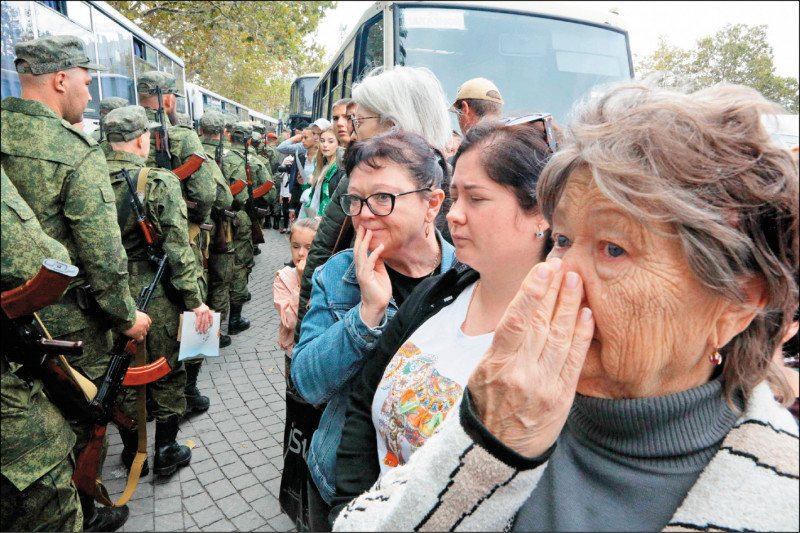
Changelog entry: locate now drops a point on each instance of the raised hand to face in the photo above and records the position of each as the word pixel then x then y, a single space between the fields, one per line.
pixel 524 386
pixel 376 287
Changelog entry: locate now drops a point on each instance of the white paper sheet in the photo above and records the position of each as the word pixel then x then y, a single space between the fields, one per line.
pixel 194 344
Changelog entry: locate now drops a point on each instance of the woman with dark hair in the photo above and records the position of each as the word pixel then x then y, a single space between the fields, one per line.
pixel 424 358
pixel 393 197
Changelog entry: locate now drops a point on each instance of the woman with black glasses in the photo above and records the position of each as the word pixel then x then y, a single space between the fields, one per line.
pixel 393 198
pixel 423 360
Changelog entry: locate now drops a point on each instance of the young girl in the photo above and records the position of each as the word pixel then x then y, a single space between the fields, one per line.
pixel 286 288
pixel 326 174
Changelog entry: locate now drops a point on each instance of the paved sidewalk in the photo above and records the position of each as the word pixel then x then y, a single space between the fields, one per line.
pixel 233 480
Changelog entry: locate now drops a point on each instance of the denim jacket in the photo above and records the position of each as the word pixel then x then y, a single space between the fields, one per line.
pixel 334 344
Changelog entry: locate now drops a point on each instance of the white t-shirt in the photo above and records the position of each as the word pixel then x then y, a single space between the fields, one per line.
pixel 423 381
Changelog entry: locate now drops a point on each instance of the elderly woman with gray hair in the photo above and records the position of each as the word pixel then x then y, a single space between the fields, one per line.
pixel 629 384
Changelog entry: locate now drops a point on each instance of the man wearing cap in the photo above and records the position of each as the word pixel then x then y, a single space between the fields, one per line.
pixel 106 105
pixel 62 175
pixel 128 132
pixel 477 99
pixel 272 152
pixel 270 200
pixel 221 255
pixel 233 167
pixel 37 462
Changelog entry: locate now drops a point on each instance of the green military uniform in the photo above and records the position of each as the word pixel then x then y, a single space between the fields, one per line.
pixel 106 105
pixel 220 261
pixel 61 173
pixel 270 201
pixel 166 210
pixel 36 489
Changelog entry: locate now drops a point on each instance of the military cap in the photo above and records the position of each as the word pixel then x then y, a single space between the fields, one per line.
pixel 271 136
pixel 256 137
pixel 51 54
pixel 126 123
pixel 260 128
pixel 212 122
pixel 242 130
pixel 184 119
pixel 109 104
pixel 230 120
pixel 148 81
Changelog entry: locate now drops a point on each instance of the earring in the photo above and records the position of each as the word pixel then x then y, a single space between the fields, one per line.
pixel 540 233
pixel 716 357
pixel 427 230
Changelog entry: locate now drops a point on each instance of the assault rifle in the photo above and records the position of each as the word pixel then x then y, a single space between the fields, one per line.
pixel 163 155
pixel 218 152
pixel 258 234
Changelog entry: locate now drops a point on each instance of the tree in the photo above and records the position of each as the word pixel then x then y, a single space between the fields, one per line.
pixel 736 54
pixel 249 52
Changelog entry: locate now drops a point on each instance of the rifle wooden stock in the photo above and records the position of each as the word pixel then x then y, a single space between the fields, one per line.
pixel 85 474
pixel 238 187
pixel 258 192
pixel 45 288
pixel 149 232
pixel 192 164
pixel 249 175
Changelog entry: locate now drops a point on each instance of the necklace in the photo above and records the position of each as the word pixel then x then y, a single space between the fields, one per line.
pixel 434 264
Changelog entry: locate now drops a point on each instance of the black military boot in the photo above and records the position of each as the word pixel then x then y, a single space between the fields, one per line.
pixel 237 324
pixel 102 518
pixel 224 340
pixel 194 400
pixel 169 454
pixel 130 441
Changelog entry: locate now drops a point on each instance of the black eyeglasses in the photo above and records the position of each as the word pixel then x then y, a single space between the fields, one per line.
pixel 356 120
pixel 545 118
pixel 380 203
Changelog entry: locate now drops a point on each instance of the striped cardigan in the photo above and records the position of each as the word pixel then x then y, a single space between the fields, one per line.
pixel 452 483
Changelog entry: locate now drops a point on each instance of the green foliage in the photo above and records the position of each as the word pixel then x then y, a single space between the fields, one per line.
pixel 249 52
pixel 736 54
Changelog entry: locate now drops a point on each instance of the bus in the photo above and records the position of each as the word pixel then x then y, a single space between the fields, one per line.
pixel 109 37
pixel 199 99
pixel 301 97
pixel 542 56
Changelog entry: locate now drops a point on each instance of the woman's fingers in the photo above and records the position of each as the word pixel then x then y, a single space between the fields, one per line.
pixel 373 258
pixel 562 324
pixel 581 341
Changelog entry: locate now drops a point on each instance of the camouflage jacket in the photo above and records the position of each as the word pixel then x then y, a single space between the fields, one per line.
pixel 62 175
pixel 34 436
pixel 272 195
pixel 200 186
pixel 224 197
pixel 233 168
pixel 166 209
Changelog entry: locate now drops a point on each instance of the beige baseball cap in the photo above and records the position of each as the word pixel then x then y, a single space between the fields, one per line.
pixel 478 89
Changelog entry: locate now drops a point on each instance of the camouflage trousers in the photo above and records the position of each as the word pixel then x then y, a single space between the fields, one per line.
pixel 97 342
pixel 220 276
pixel 198 247
pixel 243 259
pixel 51 503
pixel 161 341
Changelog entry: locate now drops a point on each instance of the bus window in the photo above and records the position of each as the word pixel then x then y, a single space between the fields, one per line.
pixel 347 81
pixel 79 13
pixel 17 25
pixel 164 63
pixel 51 22
pixel 537 63
pixel 371 48
pixel 114 52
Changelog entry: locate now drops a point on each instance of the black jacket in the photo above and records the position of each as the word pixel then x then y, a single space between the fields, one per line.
pixel 357 466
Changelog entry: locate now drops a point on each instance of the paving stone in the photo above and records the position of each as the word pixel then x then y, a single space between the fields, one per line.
pixel 254 459
pixel 249 521
pixel 206 478
pixel 219 447
pixel 198 503
pixel 169 522
pixel 204 466
pixel 273 451
pixel 225 458
pixel 266 472
pixel 167 489
pixel 139 507
pixel 222 525
pixel 267 507
pixel 143 522
pixel 235 469
pixel 254 492
pixel 244 481
pixel 165 506
pixel 190 488
pixel 281 523
pixel 220 489
pixel 233 505
pixel 207 516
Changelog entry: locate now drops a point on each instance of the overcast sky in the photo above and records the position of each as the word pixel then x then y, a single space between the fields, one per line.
pixel 682 23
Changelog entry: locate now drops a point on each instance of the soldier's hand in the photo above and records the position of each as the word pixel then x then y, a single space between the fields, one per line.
pixel 204 318
pixel 140 328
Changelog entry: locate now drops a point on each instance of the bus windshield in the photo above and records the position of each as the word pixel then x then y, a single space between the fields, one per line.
pixel 539 64
pixel 303 95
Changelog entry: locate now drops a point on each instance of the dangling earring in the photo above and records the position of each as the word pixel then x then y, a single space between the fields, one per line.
pixel 540 233
pixel 427 230
pixel 716 357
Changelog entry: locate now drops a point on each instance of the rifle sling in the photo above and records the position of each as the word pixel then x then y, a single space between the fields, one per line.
pixel 125 211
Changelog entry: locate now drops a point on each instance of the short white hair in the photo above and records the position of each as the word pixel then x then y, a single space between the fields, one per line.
pixel 412 98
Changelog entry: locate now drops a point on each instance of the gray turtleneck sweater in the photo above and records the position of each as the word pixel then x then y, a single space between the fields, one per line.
pixel 626 465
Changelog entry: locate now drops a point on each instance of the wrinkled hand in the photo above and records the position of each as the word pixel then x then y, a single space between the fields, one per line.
pixel 525 384
pixel 376 287
pixel 203 318
pixel 140 327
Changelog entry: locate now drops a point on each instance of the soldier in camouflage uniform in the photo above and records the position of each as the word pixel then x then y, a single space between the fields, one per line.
pixel 200 188
pixel 233 167
pixel 127 129
pixel 62 175
pixel 36 489
pixel 220 259
pixel 270 201
pixel 106 105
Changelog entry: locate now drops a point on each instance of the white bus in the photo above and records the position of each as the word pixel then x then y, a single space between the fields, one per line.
pixel 543 56
pixel 109 37
pixel 199 99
